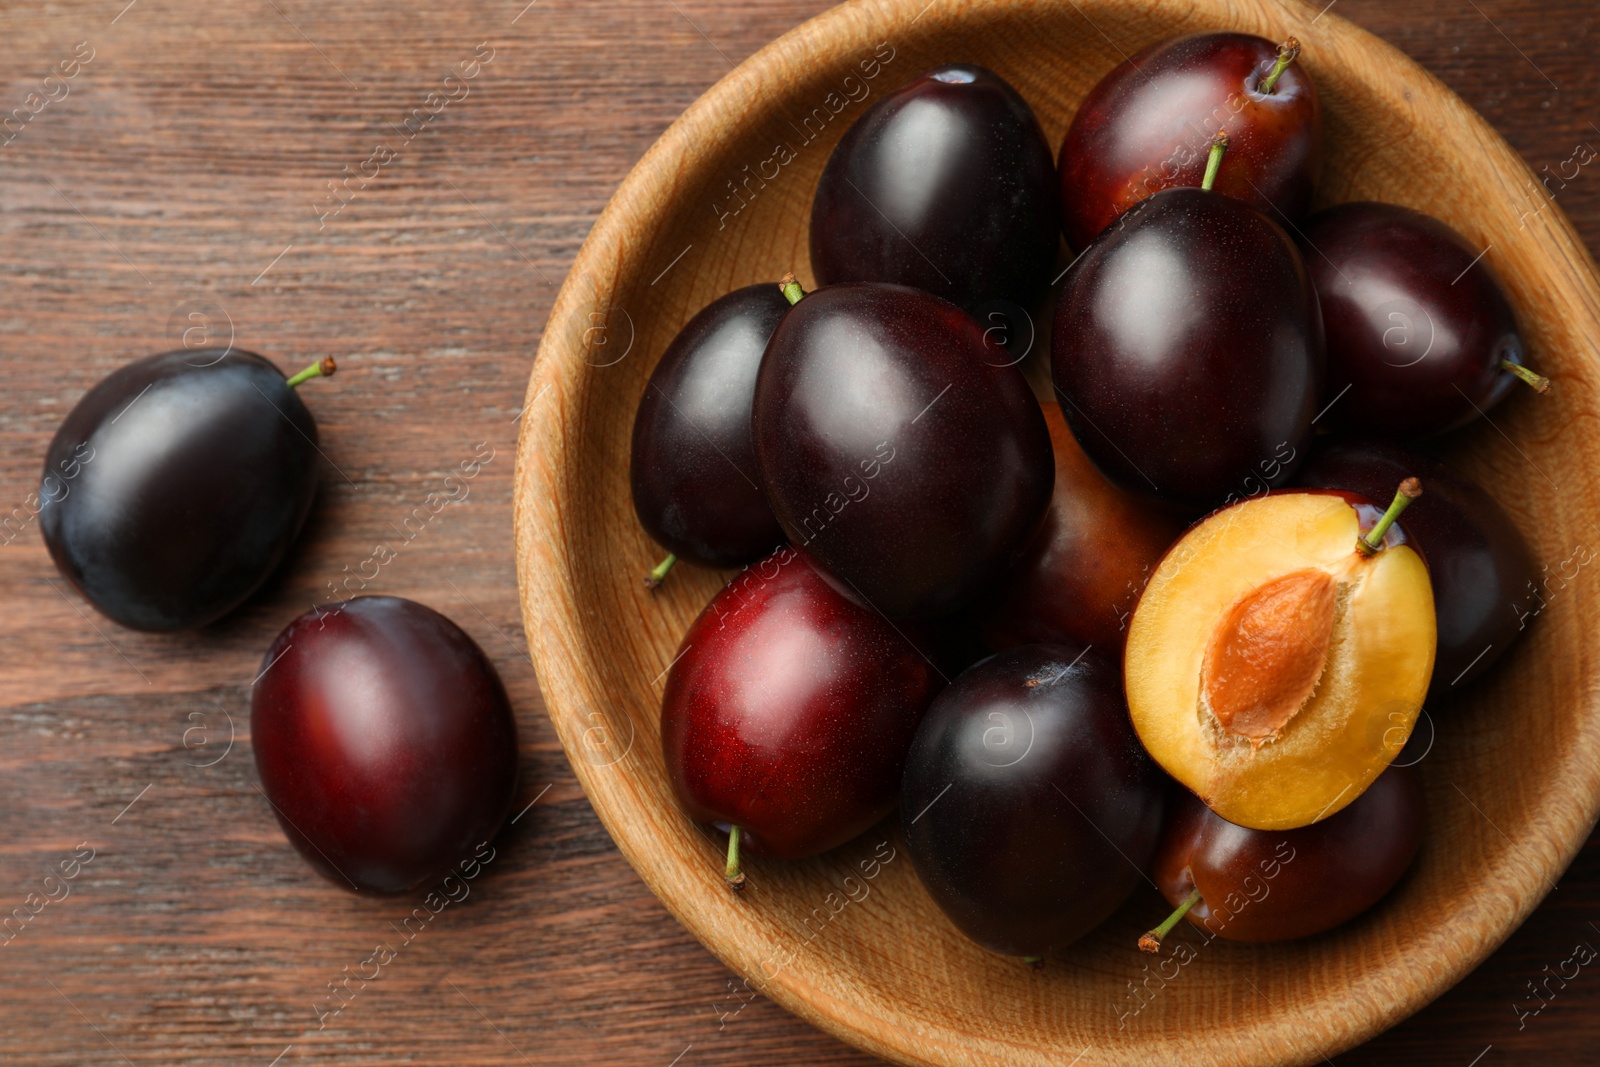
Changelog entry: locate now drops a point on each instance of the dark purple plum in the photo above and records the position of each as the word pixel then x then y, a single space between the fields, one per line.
pixel 384 741
pixel 696 487
pixel 1030 808
pixel 897 449
pixel 1482 570
pixel 1421 336
pixel 946 184
pixel 177 484
pixel 1187 349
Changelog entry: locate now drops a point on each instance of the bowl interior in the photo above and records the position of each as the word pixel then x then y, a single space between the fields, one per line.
pixel 850 940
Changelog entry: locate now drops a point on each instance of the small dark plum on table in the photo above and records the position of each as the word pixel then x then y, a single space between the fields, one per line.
pixel 384 740
pixel 177 484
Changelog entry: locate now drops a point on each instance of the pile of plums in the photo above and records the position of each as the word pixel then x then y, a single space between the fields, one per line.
pixel 382 734
pixel 1176 622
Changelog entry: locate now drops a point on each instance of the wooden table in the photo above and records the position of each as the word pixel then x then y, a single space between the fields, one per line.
pixel 201 168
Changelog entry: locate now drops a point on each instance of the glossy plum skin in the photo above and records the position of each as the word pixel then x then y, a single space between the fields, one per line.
pixel 789 711
pixel 384 741
pixel 1275 885
pixel 1148 125
pixel 1187 349
pixel 1030 808
pixel 897 447
pixel 176 485
pixel 696 488
pixel 1481 567
pixel 1083 571
pixel 946 184
pixel 1417 323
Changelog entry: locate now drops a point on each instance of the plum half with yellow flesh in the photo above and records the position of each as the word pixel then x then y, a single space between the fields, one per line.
pixel 1280 653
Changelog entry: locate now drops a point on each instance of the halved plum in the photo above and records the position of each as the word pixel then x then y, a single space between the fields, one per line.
pixel 1280 653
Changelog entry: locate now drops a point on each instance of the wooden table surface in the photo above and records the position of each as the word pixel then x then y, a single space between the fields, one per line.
pixel 211 167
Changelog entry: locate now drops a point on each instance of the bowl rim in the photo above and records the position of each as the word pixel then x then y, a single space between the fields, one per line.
pixel 634 216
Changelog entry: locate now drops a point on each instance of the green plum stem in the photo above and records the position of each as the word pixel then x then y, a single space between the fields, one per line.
pixel 731 873
pixel 1151 941
pixel 791 289
pixel 1288 52
pixel 659 573
pixel 321 369
pixel 1219 145
pixel 1034 961
pixel 1540 383
pixel 1409 490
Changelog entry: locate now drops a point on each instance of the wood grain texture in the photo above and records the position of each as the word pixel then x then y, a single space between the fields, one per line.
pixel 191 151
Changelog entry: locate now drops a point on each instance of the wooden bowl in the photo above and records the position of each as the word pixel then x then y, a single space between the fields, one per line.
pixel 851 941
